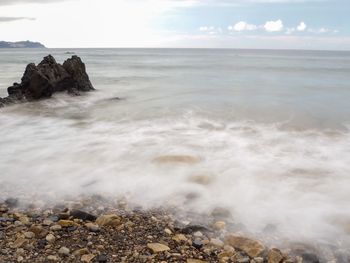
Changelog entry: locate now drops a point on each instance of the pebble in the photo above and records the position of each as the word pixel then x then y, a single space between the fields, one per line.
pixel 67 223
pixel 29 234
pixel 102 258
pixel 168 231
pixel 216 242
pixel 92 227
pixel 50 238
pixel 52 258
pixel 274 256
pixel 64 251
pixel 197 243
pixel 87 258
pixel 56 228
pixel 157 247
pixel 108 220
pixel 219 225
pixel 82 215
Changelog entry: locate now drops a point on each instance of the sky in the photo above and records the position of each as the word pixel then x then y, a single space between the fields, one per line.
pixel 260 24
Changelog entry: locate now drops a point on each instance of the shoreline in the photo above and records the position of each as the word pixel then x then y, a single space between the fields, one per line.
pixel 93 230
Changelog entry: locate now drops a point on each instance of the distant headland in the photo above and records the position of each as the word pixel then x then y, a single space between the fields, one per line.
pixel 21 44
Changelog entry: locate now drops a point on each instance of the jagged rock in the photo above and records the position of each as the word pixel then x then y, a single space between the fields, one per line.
pixel 48 77
pixel 76 69
pixel 252 247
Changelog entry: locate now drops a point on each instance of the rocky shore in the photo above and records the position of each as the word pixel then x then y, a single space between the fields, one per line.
pixel 96 230
pixel 48 77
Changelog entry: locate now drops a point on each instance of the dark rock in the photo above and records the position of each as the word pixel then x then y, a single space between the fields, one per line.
pixel 6 219
pixel 53 218
pixel 48 77
pixel 63 216
pixel 310 258
pixel 101 258
pixel 82 215
pixel 193 228
pixel 197 243
pixel 41 243
pixel 76 69
pixel 11 202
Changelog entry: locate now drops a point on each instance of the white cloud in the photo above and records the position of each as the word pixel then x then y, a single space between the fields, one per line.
pixel 301 27
pixel 274 26
pixel 211 30
pixel 243 26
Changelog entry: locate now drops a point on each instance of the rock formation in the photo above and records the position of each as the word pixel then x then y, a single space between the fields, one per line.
pixel 48 77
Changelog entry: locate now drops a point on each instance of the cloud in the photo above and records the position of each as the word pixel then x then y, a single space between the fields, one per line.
pixel 4 19
pixel 274 26
pixel 301 27
pixel 243 26
pixel 211 30
pixel 15 2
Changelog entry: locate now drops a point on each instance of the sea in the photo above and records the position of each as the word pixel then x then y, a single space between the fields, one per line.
pixel 270 130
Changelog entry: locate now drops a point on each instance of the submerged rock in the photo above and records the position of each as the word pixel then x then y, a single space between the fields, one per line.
pixel 48 77
pixel 252 247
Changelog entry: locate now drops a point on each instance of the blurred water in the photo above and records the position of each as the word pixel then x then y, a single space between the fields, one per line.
pixel 271 129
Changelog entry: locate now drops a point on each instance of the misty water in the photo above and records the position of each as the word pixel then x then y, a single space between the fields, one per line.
pixel 270 130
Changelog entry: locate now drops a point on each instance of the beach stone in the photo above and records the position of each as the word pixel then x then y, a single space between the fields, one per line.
pixel 252 247
pixel 80 252
pixel 274 256
pixel 39 231
pixel 19 242
pixel 92 227
pixel 52 258
pixel 87 258
pixel 168 231
pixel 157 247
pixel 180 159
pixel 56 228
pixel 12 202
pixel 29 235
pixel 216 243
pixel 67 223
pixel 108 220
pixel 219 225
pixel 180 238
pixel 197 243
pixel 82 215
pixel 47 222
pixel 50 238
pixel 221 213
pixel 190 260
pixel 101 258
pixel 64 251
pixel 200 179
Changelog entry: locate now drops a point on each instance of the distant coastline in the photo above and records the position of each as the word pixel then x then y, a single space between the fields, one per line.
pixel 21 44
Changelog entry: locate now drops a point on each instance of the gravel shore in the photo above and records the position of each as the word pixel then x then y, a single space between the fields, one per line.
pixel 82 232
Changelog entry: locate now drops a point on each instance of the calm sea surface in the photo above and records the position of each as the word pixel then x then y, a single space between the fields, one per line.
pixel 271 129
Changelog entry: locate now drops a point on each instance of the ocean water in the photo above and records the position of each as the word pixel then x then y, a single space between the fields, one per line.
pixel 270 130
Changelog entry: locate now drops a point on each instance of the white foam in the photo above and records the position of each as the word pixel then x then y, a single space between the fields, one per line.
pixel 297 180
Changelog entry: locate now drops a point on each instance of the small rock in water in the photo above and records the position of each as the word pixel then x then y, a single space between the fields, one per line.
pixel 197 243
pixel 82 215
pixel 157 247
pixel 108 220
pixel 184 159
pixel 274 256
pixel 310 258
pixel 190 260
pixel 52 258
pixel 252 247
pixel 12 202
pixel 219 225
